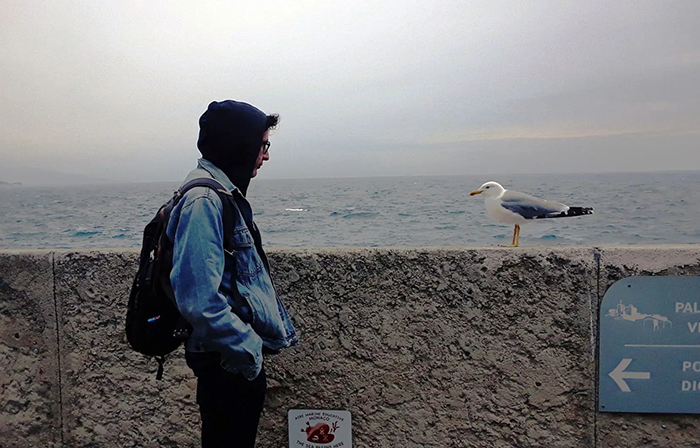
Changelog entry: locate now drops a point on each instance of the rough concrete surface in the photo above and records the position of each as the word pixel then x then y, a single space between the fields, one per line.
pixel 452 348
pixel 429 347
pixel 29 388
pixel 113 396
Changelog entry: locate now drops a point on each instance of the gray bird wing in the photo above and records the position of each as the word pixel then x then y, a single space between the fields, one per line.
pixel 530 207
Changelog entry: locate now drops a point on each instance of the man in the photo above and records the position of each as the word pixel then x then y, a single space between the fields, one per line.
pixel 227 295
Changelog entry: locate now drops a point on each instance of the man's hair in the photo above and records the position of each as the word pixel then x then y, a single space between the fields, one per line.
pixel 272 121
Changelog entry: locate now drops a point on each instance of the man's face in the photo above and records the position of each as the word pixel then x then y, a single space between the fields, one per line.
pixel 263 155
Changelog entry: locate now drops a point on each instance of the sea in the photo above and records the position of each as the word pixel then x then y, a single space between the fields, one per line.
pixel 630 208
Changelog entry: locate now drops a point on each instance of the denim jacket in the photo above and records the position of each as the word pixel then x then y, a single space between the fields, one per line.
pixel 202 280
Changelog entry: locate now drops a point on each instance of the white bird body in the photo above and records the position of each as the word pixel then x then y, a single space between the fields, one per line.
pixel 515 208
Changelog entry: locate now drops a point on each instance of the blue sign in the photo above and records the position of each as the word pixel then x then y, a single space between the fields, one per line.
pixel 650 346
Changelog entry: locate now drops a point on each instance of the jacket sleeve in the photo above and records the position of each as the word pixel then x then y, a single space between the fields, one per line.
pixel 198 267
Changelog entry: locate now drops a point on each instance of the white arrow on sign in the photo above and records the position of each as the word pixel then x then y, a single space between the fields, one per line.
pixel 619 375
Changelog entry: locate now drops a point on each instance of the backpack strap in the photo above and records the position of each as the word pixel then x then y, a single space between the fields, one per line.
pixel 227 203
pixel 228 219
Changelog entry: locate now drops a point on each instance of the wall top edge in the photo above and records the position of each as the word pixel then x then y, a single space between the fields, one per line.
pixel 401 249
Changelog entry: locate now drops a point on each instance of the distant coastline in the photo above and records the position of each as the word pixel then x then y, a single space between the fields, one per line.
pixel 10 184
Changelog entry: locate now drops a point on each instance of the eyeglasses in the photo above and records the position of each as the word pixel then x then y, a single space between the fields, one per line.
pixel 266 146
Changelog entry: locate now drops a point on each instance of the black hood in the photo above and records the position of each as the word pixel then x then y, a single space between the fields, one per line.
pixel 230 136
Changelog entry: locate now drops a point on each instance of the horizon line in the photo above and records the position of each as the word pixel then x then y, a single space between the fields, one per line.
pixel 488 174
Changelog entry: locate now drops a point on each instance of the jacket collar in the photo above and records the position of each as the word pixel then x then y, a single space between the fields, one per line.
pixel 216 174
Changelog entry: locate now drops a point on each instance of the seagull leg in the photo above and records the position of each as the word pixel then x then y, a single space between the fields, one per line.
pixel 514 243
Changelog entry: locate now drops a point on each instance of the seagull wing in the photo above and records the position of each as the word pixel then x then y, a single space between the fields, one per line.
pixel 530 207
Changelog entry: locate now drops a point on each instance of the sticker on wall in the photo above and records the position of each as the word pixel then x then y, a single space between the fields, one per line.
pixel 316 428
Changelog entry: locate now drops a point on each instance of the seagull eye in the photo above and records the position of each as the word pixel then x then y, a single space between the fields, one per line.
pixel 488 188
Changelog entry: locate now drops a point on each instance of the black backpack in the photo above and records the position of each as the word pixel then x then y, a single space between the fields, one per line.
pixel 154 325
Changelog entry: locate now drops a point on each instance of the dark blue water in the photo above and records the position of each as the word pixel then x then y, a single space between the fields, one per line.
pixel 630 208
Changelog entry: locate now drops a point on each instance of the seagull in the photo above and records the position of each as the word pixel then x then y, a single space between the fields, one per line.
pixel 513 207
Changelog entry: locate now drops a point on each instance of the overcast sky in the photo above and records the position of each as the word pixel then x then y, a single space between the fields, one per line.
pixel 115 89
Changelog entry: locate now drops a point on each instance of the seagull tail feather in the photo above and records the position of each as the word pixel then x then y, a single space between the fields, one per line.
pixel 578 211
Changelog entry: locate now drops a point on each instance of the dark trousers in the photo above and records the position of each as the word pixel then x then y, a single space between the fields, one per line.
pixel 229 404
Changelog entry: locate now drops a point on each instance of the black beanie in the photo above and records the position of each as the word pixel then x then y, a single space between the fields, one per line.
pixel 230 136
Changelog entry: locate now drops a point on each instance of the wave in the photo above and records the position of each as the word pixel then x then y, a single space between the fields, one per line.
pixel 355 214
pixel 85 233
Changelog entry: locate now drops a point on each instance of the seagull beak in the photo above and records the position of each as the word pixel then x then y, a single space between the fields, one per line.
pixel 475 192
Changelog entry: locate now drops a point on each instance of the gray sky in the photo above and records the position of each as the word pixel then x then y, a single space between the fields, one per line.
pixel 115 89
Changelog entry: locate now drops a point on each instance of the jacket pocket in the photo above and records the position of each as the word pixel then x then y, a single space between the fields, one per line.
pixel 248 263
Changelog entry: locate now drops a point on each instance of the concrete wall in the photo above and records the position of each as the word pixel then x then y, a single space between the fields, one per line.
pixel 444 347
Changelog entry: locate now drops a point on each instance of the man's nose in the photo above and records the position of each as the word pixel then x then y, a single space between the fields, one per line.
pixel 266 156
